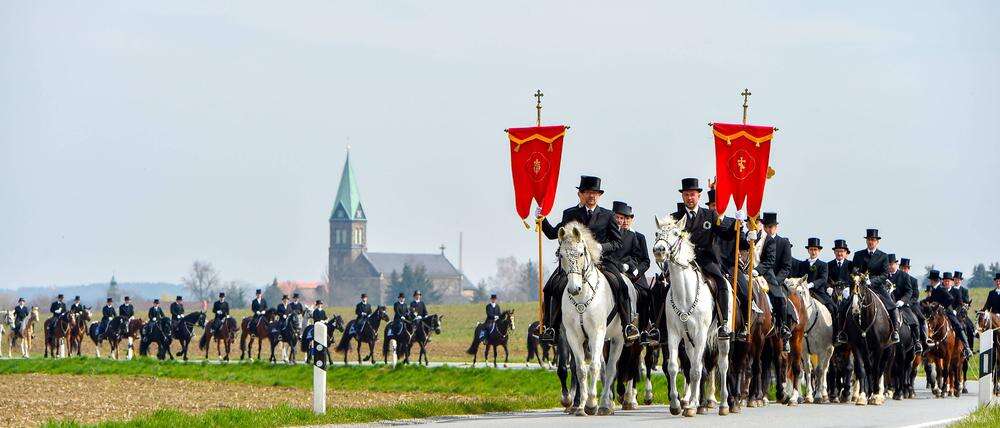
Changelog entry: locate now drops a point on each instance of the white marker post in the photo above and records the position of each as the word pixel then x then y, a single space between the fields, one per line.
pixel 986 374
pixel 319 368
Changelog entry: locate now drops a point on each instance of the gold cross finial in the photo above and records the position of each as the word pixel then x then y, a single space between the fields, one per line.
pixel 746 103
pixel 538 106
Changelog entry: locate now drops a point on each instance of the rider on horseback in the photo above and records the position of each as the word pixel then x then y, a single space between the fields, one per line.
pixel 76 307
pixel 281 311
pixel 177 309
pixel 839 275
pixel 126 310
pixel 21 312
pixel 362 311
pixel 296 307
pixel 492 315
pixel 780 269
pixel 221 310
pixel 417 308
pixel 259 307
pixel 992 304
pixel 815 272
pixel 637 267
pixel 970 328
pixel 704 227
pixel 58 310
pixel 320 315
pixel 399 310
pixel 914 301
pixel 155 315
pixel 608 233
pixel 629 254
pixel 875 263
pixel 951 301
pixel 901 293
pixel 107 314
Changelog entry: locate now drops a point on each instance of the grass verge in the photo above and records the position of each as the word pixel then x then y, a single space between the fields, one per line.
pixel 988 416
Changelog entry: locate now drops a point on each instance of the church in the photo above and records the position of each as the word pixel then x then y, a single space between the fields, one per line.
pixel 354 270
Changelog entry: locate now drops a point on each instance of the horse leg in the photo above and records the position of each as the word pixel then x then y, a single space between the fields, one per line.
pixel 673 362
pixel 506 354
pixel 582 368
pixel 607 406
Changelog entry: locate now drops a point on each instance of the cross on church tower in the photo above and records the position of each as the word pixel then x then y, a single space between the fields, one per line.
pixel 442 248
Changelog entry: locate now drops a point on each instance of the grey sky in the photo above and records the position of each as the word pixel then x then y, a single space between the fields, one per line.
pixel 136 138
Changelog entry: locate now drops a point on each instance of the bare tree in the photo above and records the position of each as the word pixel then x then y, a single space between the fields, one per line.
pixel 203 280
pixel 237 294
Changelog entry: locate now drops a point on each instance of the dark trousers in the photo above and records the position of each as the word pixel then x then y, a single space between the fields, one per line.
pixel 710 267
pixel 959 328
pixel 554 287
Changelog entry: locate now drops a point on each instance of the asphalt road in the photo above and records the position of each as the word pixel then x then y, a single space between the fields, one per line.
pixel 923 411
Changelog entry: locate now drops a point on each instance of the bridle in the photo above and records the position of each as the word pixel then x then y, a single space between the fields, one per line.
pixel 672 251
pixel 584 269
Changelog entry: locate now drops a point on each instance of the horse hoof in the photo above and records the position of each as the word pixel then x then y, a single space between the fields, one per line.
pixel 690 412
pixel 792 403
pixel 627 406
pixel 752 404
pixel 590 410
pixel 604 411
pixel 566 402
pixel 702 410
pixel 675 411
pixel 648 401
pixel 713 404
pixel 861 402
pixel 965 390
pixel 808 400
pixel 684 403
pixel 579 412
pixel 823 400
pixel 723 411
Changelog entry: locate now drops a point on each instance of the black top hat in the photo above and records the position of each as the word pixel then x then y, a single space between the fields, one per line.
pixel 295 295
pixel 622 208
pixel 814 242
pixel 20 299
pixel 109 300
pixel 933 274
pixel 222 294
pixel 284 297
pixel 840 244
pixel 59 296
pixel 156 301
pixel 996 276
pixel 588 182
pixel 493 296
pixel 770 218
pixel 946 275
pixel 319 302
pixel 631 213
pixel 127 298
pixel 711 196
pixel 401 296
pixel 76 299
pixel 958 274
pixel 872 233
pixel 259 292
pixel 892 258
pixel 179 298
pixel 417 293
pixel 904 262
pixel 689 184
pixel 364 295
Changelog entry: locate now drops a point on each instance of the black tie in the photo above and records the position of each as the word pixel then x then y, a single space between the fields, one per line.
pixel 690 215
pixel 586 217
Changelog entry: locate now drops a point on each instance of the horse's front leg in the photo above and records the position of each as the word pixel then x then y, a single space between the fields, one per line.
pixel 607 405
pixel 506 354
pixel 673 363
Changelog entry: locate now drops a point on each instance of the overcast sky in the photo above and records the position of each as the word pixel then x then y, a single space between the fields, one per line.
pixel 136 138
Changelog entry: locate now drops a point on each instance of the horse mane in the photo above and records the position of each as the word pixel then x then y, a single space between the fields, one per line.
pixel 587 237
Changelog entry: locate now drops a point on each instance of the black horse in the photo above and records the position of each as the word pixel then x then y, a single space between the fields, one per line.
pixel 284 331
pixel 113 334
pixel 495 337
pixel 868 329
pixel 333 324
pixel 159 332
pixel 399 343
pixel 423 329
pixel 901 379
pixel 537 350
pixel 367 333
pixel 183 330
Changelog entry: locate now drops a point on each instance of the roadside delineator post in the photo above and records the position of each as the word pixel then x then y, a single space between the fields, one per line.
pixel 986 364
pixel 319 368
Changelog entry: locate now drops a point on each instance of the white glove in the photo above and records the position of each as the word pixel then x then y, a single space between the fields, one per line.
pixel 218 312
pixel 829 290
pixel 58 310
pixel 845 293
pixel 899 303
pixel 809 285
pixel 752 235
pixel 625 267
pixel 868 281
pixel 755 273
pixel 741 216
pixel 495 317
pixel 538 211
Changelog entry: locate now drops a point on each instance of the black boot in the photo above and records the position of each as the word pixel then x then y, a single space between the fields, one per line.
pixel 722 293
pixel 625 311
pixel 548 334
pixel 894 323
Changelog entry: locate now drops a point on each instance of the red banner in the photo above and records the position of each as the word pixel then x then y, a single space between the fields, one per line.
pixel 741 156
pixel 535 154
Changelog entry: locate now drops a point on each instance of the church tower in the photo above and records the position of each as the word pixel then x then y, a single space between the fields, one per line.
pixel 348 235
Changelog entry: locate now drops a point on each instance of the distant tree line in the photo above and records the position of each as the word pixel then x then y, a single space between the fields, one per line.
pixel 981 277
pixel 513 281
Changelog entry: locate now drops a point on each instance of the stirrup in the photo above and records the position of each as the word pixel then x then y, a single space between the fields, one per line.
pixel 724 333
pixel 895 337
pixel 785 347
pixel 548 335
pixel 631 332
pixel 653 335
pixel 841 338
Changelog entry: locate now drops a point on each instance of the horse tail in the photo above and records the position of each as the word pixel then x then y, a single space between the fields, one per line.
pixel 474 347
pixel 203 342
pixel 344 344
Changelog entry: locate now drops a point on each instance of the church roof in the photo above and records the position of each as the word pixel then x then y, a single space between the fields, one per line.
pixel 437 265
pixel 347 206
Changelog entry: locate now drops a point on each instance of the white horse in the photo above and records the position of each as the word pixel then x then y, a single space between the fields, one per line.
pixel 688 311
pixel 818 341
pixel 587 304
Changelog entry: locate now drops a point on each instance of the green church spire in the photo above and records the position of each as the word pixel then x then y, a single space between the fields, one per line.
pixel 347 206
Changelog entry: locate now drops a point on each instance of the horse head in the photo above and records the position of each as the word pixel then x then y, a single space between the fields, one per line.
pixel 670 243
pixel 859 280
pixel 578 255
pixel 506 321
pixel 383 314
pixel 798 285
pixel 336 323
pixel 433 322
pixel 984 321
pixel 9 317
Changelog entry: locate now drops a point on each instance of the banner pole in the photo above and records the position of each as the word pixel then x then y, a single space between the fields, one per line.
pixel 736 279
pixel 750 284
pixel 541 300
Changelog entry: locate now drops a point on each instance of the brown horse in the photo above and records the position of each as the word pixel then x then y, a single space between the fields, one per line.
pixel 132 334
pixel 25 333
pixel 57 333
pixel 986 320
pixel 746 367
pixel 79 331
pixel 224 336
pixel 792 360
pixel 945 354
pixel 257 333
